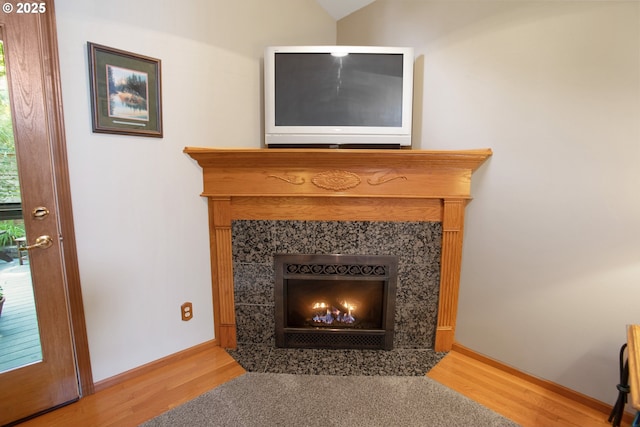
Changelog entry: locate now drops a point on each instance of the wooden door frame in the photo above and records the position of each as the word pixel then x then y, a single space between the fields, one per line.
pixel 55 119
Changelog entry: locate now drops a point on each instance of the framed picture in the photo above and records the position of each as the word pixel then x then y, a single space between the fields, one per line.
pixel 125 92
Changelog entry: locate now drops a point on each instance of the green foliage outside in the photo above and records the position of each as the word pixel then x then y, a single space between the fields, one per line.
pixel 9 184
pixel 10 230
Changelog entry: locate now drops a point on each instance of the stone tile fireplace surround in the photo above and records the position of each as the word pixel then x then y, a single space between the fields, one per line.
pixel 410 202
pixel 417 245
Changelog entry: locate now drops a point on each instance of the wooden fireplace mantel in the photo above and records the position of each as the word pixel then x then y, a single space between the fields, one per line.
pixel 336 185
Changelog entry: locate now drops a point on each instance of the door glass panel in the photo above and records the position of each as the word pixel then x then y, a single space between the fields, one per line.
pixel 19 333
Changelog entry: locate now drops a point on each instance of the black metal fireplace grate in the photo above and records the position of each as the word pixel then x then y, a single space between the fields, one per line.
pixel 366 340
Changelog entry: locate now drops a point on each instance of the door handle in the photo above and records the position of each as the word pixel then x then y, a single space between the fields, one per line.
pixel 42 242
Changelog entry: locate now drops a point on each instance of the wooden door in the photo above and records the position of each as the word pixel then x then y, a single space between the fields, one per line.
pixel 31 61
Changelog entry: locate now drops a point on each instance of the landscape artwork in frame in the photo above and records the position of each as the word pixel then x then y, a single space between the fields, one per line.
pixel 125 92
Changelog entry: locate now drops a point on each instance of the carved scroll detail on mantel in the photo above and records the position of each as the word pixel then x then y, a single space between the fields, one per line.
pixel 291 179
pixel 336 180
pixel 380 178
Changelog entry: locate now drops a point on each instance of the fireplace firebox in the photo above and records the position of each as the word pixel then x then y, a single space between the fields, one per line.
pixel 335 301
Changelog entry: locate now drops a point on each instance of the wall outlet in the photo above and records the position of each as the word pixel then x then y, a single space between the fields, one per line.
pixel 187 311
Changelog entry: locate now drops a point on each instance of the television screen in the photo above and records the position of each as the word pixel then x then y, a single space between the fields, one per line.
pixel 338 95
pixel 322 89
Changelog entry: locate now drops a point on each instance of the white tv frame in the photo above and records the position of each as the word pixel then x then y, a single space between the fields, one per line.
pixel 337 135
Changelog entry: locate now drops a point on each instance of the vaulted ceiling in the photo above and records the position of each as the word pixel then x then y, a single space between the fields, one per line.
pixel 338 9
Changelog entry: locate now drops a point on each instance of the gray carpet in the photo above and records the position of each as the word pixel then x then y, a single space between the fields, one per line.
pixel 264 399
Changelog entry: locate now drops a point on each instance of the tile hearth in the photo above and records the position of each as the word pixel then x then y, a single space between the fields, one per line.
pixel 398 362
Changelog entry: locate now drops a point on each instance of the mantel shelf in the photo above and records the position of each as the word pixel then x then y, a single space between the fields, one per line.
pixel 461 159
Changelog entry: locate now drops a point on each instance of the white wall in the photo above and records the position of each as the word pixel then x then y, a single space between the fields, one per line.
pixel 141 227
pixel 551 263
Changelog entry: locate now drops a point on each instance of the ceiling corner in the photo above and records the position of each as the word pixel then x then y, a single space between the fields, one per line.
pixel 338 9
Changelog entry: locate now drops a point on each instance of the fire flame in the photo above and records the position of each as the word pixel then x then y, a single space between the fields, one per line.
pixel 350 307
pixel 327 314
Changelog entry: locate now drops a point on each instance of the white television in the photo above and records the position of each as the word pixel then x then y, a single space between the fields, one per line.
pixel 338 96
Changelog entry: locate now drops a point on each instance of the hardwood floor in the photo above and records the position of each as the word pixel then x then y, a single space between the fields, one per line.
pixel 170 384
pixel 512 395
pixel 142 397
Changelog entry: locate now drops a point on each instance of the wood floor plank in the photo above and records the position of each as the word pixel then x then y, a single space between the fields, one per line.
pixel 141 398
pixel 527 404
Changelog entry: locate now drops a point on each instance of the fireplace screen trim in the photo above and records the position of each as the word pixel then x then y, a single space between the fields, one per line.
pixel 294 268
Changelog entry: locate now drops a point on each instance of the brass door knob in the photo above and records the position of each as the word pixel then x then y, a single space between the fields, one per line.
pixel 42 242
